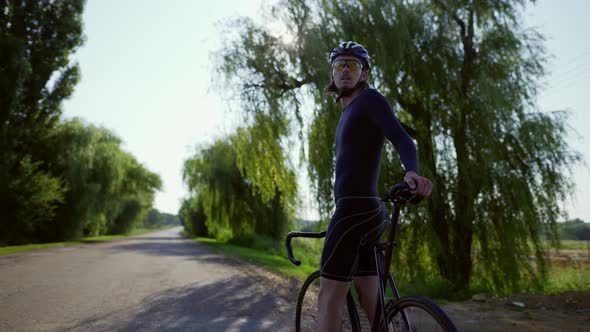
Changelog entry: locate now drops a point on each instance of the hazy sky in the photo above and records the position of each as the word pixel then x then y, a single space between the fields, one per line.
pixel 147 75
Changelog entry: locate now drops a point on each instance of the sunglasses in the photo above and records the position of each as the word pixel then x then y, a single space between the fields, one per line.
pixel 352 65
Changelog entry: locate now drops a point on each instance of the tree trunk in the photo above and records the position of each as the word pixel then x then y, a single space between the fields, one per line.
pixel 438 208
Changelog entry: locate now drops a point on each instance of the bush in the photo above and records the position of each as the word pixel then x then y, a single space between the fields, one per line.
pixel 258 242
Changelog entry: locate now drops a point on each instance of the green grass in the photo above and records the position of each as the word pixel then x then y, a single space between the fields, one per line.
pixel 567 244
pixel 573 244
pixel 30 247
pixel 306 250
pixel 37 246
pixel 562 279
pixel 276 262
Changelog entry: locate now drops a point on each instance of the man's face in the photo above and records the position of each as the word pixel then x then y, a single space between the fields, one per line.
pixel 346 72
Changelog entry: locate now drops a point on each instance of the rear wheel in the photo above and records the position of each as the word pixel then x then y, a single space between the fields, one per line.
pixel 416 313
pixel 306 309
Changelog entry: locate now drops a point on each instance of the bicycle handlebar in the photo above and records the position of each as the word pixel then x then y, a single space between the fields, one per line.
pixel 400 194
pixel 300 234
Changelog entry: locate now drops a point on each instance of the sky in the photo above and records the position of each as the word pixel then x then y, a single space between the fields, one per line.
pixel 148 76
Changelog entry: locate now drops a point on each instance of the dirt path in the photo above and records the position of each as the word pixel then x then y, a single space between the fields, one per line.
pixel 563 312
pixel 525 312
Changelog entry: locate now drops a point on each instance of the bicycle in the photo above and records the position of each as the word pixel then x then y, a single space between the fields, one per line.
pixel 408 313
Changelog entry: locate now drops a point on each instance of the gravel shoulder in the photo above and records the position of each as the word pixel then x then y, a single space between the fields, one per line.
pixel 568 311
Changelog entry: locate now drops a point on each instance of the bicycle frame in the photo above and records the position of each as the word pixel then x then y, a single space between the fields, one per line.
pixel 384 273
pixel 398 195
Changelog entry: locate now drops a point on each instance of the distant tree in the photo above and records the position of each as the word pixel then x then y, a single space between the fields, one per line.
pixel 153 219
pixel 93 171
pixel 575 229
pixel 109 192
pixel 170 219
pixel 583 233
pixel 136 196
pixel 156 219
pixel 572 229
pixel 193 217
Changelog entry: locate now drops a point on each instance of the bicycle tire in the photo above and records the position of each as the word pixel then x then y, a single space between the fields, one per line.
pixel 310 323
pixel 300 299
pixel 421 312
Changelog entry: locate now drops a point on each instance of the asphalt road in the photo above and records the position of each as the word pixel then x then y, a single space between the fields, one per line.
pixel 154 282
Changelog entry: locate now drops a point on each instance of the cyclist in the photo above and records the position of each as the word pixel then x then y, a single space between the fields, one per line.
pixel 366 120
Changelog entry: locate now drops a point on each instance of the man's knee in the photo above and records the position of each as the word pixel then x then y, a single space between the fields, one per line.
pixel 332 290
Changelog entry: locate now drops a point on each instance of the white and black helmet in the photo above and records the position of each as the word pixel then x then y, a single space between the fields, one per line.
pixel 352 48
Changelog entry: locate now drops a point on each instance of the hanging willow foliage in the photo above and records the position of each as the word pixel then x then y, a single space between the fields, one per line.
pixel 235 202
pixel 462 77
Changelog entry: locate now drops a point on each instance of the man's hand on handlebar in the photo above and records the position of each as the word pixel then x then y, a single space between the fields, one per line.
pixel 419 186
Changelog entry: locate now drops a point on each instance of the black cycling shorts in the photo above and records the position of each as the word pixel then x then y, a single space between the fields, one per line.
pixel 356 223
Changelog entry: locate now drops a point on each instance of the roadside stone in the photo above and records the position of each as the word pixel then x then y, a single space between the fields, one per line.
pixel 518 304
pixel 481 297
pixel 571 304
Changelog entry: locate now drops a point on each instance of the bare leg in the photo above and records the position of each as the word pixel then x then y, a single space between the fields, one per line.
pixel 331 298
pixel 368 291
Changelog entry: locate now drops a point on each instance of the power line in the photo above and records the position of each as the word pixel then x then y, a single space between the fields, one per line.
pixel 580 55
pixel 553 90
pixel 576 70
pixel 565 80
pixel 563 74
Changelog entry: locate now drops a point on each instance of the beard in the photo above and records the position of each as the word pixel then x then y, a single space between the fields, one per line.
pixel 344 92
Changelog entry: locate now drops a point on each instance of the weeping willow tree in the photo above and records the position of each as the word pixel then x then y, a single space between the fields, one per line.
pixel 230 197
pixel 462 76
pixel 108 190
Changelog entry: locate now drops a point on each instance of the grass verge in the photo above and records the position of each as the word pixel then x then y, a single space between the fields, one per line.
pixel 575 244
pixel 37 246
pixel 274 262
pixel 571 278
pixel 279 263
pixel 560 279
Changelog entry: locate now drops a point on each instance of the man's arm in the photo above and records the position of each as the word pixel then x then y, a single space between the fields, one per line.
pixel 383 117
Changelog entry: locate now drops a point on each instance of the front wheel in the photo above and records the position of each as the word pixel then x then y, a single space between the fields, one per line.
pixel 416 313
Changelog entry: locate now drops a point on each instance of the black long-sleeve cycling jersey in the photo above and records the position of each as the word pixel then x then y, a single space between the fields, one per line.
pixel 360 135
